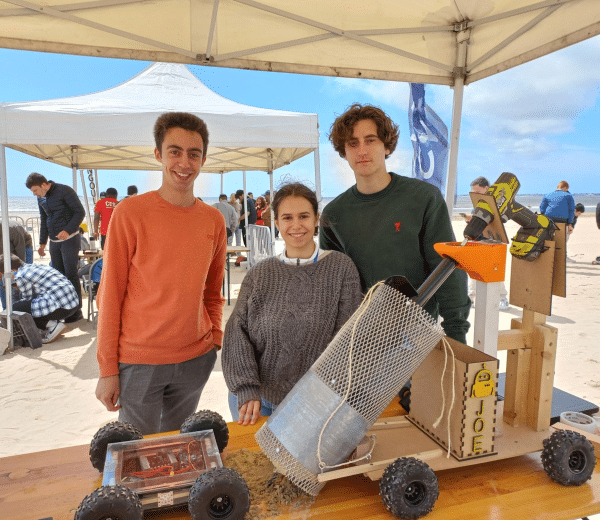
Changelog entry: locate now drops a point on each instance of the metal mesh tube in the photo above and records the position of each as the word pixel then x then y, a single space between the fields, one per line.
pixel 363 368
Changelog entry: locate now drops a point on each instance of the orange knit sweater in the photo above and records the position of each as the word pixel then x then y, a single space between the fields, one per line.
pixel 160 296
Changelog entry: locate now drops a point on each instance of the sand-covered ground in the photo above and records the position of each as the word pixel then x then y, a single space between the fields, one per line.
pixel 47 395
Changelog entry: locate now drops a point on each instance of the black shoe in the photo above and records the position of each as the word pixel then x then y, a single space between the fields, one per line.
pixel 74 317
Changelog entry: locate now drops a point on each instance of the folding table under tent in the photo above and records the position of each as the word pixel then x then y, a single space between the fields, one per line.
pixel 112 129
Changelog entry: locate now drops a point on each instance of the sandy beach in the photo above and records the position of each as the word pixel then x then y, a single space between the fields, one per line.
pixel 47 395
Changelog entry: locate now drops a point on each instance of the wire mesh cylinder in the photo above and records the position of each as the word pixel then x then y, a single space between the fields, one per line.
pixel 348 387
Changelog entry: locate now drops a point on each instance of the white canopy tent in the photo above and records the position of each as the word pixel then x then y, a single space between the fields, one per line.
pixel 451 42
pixel 112 129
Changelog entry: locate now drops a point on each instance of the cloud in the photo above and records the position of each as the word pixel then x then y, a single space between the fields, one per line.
pixel 381 92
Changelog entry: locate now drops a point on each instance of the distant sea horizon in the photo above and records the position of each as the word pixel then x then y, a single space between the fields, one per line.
pixel 28 205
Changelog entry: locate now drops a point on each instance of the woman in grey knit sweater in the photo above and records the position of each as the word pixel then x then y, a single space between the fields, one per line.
pixel 288 310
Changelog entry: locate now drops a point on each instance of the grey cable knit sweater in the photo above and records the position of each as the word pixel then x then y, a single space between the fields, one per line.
pixel 284 318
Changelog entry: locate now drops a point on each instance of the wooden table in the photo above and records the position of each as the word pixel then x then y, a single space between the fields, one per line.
pixel 231 250
pixel 51 484
pixel 91 256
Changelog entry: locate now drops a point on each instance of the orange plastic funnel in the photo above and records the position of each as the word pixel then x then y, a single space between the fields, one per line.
pixel 482 261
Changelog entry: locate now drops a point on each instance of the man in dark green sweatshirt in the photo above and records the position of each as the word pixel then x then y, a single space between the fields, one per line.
pixel 386 223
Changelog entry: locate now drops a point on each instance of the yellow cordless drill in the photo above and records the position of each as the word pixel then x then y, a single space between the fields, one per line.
pixel 535 229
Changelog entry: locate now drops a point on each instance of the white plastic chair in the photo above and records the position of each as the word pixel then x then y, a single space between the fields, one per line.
pixel 259 242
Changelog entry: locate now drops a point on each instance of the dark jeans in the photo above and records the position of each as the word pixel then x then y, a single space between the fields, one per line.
pixel 102 241
pixel 40 323
pixel 243 228
pixel 65 258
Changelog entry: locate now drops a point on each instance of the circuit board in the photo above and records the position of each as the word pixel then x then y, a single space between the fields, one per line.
pixel 161 469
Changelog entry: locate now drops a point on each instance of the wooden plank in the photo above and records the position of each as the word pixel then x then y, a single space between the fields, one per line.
pixel 369 467
pixel 531 282
pixel 495 230
pixel 541 380
pixel 514 339
pixel 392 422
pixel 52 484
pixel 594 439
pixel 516 387
pixel 559 276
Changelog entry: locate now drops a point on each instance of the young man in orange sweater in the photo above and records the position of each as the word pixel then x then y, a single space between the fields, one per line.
pixel 160 303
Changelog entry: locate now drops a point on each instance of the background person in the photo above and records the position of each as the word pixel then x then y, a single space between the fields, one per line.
pixel 160 304
pixel 579 210
pixel 559 206
pixel 132 191
pixel 46 294
pixel 387 223
pixel 246 217
pixel 17 239
pixel 102 213
pixel 260 207
pixel 230 216
pixel 61 213
pixel 233 202
pixel 288 310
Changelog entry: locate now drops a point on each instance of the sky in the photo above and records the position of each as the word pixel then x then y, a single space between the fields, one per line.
pixel 540 121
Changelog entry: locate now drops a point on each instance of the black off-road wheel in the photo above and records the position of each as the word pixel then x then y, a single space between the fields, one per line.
pixel 219 494
pixel 208 420
pixel 110 502
pixel 568 458
pixel 113 432
pixel 408 488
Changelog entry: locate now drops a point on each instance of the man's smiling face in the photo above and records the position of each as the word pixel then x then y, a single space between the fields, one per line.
pixel 181 156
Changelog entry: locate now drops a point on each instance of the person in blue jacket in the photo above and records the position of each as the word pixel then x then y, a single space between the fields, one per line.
pixel 61 213
pixel 559 206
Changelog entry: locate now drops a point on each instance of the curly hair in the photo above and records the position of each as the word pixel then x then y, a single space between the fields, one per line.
pixel 342 128
pixel 183 120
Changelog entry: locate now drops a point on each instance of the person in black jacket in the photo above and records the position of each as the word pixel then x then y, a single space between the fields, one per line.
pixel 61 213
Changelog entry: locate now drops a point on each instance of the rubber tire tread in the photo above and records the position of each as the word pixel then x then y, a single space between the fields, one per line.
pixel 555 457
pixel 112 432
pixel 208 420
pixel 115 502
pixel 215 482
pixel 397 476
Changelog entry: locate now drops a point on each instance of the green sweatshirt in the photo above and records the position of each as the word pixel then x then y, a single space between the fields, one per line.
pixel 392 232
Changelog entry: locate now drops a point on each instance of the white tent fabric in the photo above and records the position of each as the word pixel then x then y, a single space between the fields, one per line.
pixel 407 40
pixel 112 129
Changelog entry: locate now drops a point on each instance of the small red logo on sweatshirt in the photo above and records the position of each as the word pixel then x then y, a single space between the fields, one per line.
pixel 397 224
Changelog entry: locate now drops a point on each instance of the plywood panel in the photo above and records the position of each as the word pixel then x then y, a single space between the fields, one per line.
pixel 495 230
pixel 559 276
pixel 531 282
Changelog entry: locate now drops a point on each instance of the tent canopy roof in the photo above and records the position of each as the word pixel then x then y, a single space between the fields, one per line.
pixel 409 40
pixel 112 129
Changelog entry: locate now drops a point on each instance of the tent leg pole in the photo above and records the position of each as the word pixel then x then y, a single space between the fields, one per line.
pixel 317 174
pixel 6 245
pixel 245 208
pixel 272 214
pixel 459 87
pixel 221 184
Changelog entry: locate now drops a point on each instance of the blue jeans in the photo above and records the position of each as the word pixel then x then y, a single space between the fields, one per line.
pixel 266 408
pixel 15 294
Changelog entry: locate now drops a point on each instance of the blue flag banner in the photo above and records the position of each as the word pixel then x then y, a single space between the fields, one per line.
pixel 429 136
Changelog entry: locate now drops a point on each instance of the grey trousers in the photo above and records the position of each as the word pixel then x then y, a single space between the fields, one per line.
pixel 158 398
